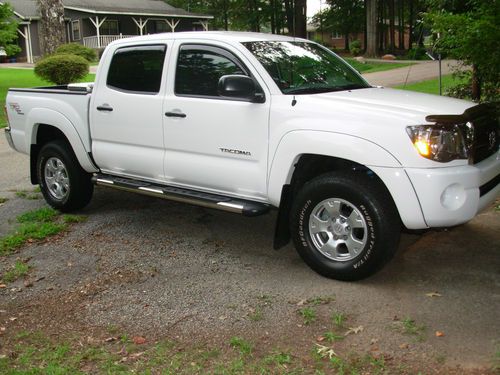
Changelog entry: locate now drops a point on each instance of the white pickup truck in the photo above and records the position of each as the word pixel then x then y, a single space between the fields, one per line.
pixel 247 122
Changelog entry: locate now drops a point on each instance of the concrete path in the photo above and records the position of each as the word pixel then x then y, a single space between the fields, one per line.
pixel 420 71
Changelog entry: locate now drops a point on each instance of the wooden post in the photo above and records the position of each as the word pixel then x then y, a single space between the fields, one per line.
pixel 98 25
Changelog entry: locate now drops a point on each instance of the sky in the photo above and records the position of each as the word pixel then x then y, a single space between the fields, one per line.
pixel 313 7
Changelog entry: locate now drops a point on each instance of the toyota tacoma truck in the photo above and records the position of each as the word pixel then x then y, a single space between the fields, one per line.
pixel 245 123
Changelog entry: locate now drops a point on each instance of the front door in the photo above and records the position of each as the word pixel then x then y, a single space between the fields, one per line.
pixel 213 143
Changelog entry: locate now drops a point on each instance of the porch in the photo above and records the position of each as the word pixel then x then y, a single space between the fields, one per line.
pixel 100 30
pixel 102 41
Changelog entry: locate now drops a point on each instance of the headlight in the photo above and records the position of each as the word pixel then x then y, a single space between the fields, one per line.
pixel 441 143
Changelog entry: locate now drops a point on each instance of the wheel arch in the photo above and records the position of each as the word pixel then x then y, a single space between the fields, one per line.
pixel 330 152
pixel 45 125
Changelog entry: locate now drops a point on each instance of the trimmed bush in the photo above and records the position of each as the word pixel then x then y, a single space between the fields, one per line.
pixel 77 49
pixel 355 47
pixel 62 69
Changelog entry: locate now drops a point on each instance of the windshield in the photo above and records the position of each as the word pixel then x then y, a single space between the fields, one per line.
pixel 305 68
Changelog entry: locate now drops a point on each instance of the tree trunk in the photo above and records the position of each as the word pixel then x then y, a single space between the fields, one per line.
pixel 401 44
pixel 392 29
pixel 289 16
pixel 300 18
pixel 273 21
pixel 476 84
pixel 226 16
pixel 346 41
pixel 371 28
pixel 52 30
pixel 381 26
pixel 410 26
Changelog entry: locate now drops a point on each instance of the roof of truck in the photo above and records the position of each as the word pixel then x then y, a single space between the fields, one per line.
pixel 233 36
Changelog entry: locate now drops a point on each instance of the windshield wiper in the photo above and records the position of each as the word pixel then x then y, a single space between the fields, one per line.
pixel 318 90
pixel 310 90
pixel 354 86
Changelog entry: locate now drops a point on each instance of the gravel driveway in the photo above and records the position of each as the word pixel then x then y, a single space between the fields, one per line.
pixel 162 269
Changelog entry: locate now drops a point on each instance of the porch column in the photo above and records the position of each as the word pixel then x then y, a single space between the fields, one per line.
pixel 141 24
pixel 204 24
pixel 173 24
pixel 97 25
pixel 27 40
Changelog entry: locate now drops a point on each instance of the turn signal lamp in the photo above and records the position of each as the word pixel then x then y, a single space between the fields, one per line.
pixel 441 143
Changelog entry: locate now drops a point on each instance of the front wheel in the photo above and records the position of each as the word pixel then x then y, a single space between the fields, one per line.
pixel 345 225
pixel 63 182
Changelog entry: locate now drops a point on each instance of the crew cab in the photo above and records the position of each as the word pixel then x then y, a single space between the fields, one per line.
pixel 247 122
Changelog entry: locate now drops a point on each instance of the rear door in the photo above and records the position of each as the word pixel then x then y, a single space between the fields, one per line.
pixel 126 118
pixel 214 143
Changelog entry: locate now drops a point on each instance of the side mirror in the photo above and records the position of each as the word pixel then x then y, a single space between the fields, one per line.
pixel 239 87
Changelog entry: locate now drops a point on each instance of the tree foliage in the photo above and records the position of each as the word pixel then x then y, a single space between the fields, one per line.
pixel 470 32
pixel 274 16
pixel 345 17
pixel 8 30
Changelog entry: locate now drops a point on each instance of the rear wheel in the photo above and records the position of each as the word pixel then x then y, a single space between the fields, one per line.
pixel 344 225
pixel 63 182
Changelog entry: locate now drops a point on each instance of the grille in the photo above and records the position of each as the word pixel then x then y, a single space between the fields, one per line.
pixel 486 131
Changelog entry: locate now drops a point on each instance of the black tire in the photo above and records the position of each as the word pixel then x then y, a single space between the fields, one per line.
pixel 374 240
pixel 79 186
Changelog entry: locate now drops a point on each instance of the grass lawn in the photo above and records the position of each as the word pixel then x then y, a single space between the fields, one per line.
pixel 21 78
pixel 431 86
pixel 371 67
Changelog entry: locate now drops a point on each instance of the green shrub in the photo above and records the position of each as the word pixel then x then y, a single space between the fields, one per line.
pixel 62 69
pixel 77 49
pixel 355 47
pixel 417 53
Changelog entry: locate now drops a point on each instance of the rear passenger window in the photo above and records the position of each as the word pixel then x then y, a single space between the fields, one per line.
pixel 137 69
pixel 199 69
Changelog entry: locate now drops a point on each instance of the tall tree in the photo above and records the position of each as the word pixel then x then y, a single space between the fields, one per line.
pixel 392 29
pixel 371 28
pixel 52 31
pixel 300 8
pixel 8 30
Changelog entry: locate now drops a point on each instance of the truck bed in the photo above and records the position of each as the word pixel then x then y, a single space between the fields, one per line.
pixel 60 103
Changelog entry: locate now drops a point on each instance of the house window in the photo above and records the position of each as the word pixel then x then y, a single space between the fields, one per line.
pixel 75 28
pixel 336 35
pixel 109 27
pixel 137 69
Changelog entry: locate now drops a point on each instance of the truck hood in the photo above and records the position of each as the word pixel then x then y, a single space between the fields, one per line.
pixel 395 102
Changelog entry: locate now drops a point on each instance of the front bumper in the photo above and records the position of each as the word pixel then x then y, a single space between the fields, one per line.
pixel 452 196
pixel 8 135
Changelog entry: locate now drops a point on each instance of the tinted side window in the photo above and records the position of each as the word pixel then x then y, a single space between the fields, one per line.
pixel 198 70
pixel 137 69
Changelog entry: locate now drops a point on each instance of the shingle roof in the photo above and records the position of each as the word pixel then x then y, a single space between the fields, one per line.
pixel 28 8
pixel 25 8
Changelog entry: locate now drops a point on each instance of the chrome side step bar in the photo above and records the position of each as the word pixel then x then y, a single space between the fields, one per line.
pixel 198 198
